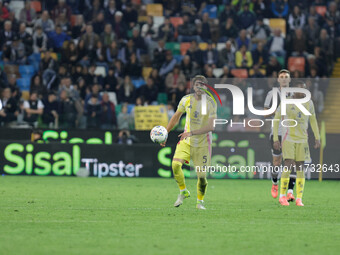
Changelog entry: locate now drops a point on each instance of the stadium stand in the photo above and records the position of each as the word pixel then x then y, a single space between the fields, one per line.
pixel 116 47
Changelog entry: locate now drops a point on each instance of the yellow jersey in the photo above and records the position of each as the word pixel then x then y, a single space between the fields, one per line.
pixel 297 134
pixel 196 120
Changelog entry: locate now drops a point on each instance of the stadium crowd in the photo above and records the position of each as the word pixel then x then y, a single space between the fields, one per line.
pixel 86 64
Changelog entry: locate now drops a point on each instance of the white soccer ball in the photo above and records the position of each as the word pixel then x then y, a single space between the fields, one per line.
pixel 159 134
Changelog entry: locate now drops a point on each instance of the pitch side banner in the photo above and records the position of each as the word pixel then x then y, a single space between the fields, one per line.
pixel 150 160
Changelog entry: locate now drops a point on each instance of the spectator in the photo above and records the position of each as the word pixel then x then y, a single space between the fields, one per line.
pixel 187 32
pixel 157 80
pixel 246 17
pixel 227 55
pixel 299 43
pixel 110 81
pixel 260 55
pixel 168 65
pixel 312 32
pixel 37 86
pixel 49 67
pixel 243 39
pixel 110 12
pixel 93 112
pixel 79 28
pixel 296 19
pixel 280 8
pixel 126 52
pixel 70 55
pixel 66 111
pixel 64 23
pixel 124 137
pixel 7 34
pixel 119 26
pixel 149 91
pixel 195 53
pixel 90 38
pixel 227 13
pixel 133 67
pixel 276 44
pixel 107 36
pixel 99 24
pixel 27 14
pixel 205 28
pixel 126 91
pixel 174 78
pixel 33 108
pixel 228 30
pixel 58 38
pixel 210 56
pixel 108 113
pixel 149 29
pixel 112 52
pixel 159 54
pixel 259 31
pixel 15 53
pixel 138 41
pixel 12 84
pixel 50 115
pixel 130 15
pixel 99 54
pixel 187 67
pixel 273 67
pixel 124 118
pixel 4 13
pixel 243 58
pixel 166 30
pixel 60 8
pixel 8 107
pixel 326 45
pixel 45 23
pixel 39 41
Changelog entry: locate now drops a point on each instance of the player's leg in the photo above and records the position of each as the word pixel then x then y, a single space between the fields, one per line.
pixel 201 158
pixel 277 160
pixel 302 155
pixel 300 181
pixel 182 154
pixel 290 195
pixel 288 149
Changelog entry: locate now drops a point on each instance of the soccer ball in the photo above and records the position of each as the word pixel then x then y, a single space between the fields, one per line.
pixel 159 134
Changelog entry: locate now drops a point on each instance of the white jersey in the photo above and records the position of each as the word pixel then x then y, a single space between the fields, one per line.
pixel 268 103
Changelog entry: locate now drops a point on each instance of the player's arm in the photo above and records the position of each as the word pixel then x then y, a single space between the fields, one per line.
pixel 315 128
pixel 276 123
pixel 173 122
pixel 209 127
pixel 267 103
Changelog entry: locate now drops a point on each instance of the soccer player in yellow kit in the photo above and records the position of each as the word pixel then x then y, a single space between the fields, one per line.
pixel 195 141
pixel 295 146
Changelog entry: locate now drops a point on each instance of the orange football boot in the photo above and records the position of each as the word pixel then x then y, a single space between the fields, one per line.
pixel 283 201
pixel 275 189
pixel 290 197
pixel 299 202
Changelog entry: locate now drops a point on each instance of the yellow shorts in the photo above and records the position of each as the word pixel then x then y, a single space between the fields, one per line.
pixel 295 151
pixel 201 156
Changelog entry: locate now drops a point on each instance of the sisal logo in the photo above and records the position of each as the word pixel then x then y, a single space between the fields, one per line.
pixel 239 101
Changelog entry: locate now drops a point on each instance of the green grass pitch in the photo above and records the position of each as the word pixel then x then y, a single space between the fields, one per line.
pixel 60 215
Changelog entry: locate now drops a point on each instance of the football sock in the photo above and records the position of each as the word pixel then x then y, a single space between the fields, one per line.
pixel 300 181
pixel 291 184
pixel 274 176
pixel 284 183
pixel 202 184
pixel 178 174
